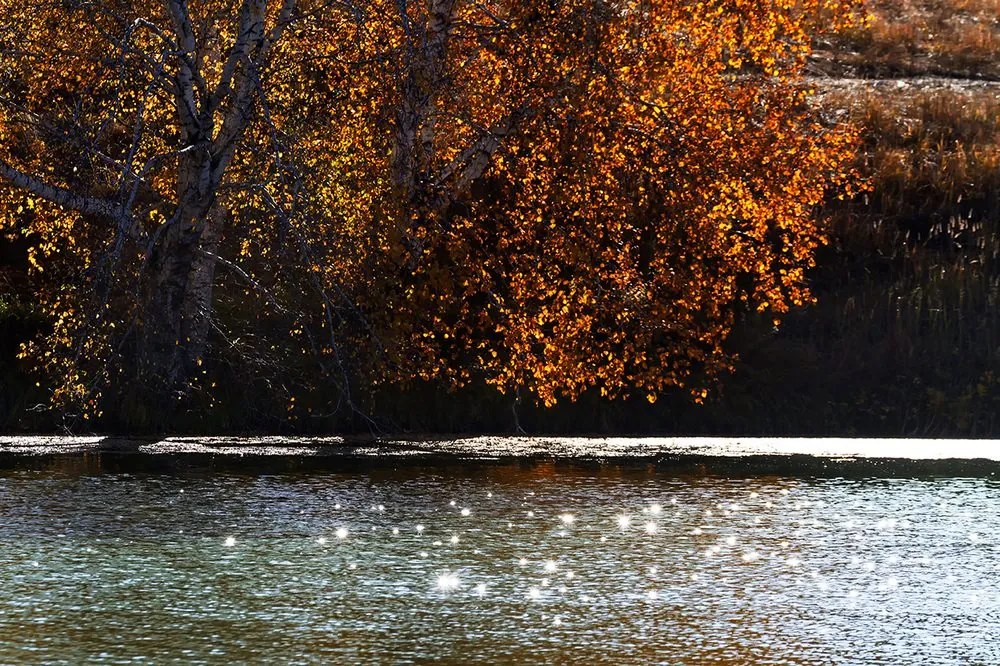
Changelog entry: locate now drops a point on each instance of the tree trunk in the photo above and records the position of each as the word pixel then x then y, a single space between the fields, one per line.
pixel 416 118
pixel 178 305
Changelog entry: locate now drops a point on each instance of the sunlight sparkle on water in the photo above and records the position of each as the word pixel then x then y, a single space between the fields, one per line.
pixel 613 555
pixel 448 582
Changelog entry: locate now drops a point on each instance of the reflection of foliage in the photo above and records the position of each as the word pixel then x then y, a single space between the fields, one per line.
pixel 556 198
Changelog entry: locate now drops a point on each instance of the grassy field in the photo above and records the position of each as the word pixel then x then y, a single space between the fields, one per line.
pixel 907 38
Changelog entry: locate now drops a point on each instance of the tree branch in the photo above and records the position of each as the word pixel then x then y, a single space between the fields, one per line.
pixel 472 162
pixel 68 199
pixel 187 106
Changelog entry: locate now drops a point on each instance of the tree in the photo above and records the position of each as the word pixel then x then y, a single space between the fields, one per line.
pixel 590 193
pixel 134 138
pixel 553 197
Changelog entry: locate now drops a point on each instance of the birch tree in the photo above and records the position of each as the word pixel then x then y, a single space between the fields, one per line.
pixel 134 136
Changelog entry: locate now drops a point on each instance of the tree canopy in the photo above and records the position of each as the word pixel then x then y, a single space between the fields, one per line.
pixel 550 197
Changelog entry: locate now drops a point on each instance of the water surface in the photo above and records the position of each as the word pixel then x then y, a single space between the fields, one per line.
pixel 105 561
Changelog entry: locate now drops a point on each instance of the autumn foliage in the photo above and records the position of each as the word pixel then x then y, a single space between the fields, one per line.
pixel 548 197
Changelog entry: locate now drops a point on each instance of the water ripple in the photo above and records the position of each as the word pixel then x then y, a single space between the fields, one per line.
pixel 488 563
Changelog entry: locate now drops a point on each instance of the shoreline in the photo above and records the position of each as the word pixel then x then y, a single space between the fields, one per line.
pixel 712 455
pixel 499 446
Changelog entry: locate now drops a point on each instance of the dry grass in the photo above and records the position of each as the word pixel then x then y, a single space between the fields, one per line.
pixel 918 38
pixel 930 154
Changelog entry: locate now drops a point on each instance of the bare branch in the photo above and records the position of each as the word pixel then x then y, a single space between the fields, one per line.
pixel 246 277
pixel 67 198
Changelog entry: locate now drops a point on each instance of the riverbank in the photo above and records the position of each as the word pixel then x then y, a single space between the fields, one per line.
pixel 722 455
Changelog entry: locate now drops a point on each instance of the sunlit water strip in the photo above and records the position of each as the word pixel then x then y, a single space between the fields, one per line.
pixel 520 447
pixel 401 561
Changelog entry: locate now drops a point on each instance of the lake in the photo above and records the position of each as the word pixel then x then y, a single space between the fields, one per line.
pixel 112 556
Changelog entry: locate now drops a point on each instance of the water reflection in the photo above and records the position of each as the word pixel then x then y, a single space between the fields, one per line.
pixel 495 563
